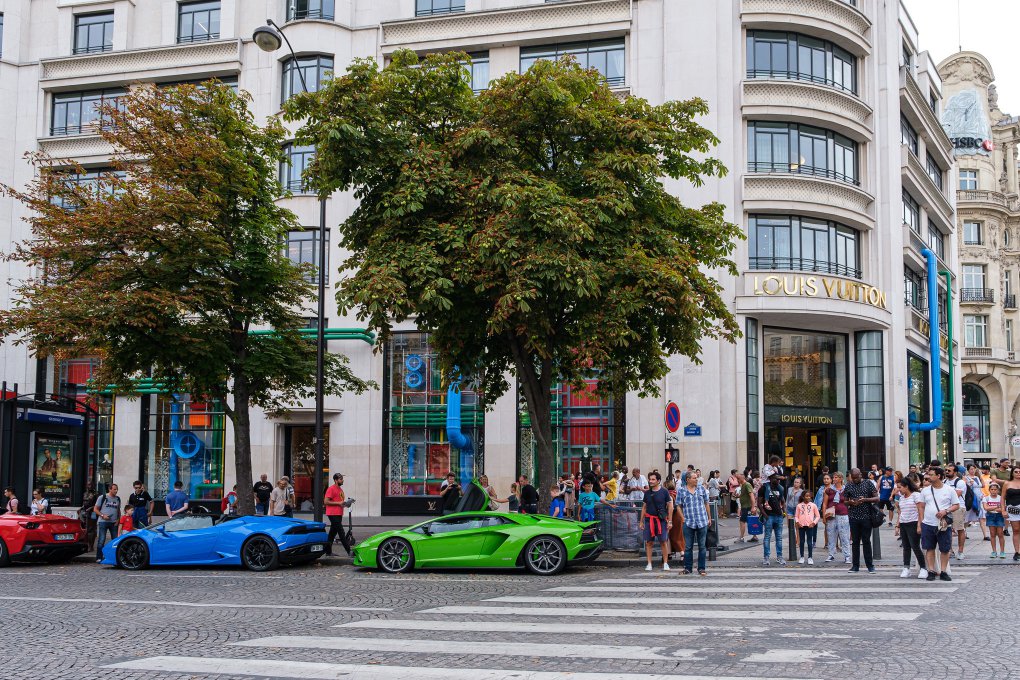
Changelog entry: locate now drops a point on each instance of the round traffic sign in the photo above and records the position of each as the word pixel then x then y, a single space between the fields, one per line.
pixel 1015 442
pixel 672 417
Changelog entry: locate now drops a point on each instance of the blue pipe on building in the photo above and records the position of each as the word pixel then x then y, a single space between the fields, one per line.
pixel 935 362
pixel 456 436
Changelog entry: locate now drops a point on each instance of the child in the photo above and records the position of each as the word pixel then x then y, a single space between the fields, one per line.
pixel 992 504
pixel 807 525
pixel 587 502
pixel 557 507
pixel 127 522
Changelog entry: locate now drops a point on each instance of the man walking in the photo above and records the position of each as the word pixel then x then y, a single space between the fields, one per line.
pixel 860 494
pixel 693 501
pixel 107 511
pixel 656 519
pixel 886 485
pixel 772 499
pixel 262 490
pixel 335 503
pixel 935 509
pixel 745 495
pixel 141 505
pixel 176 500
pixel 959 485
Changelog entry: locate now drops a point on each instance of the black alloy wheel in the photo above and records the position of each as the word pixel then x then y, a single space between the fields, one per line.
pixel 132 554
pixel 260 553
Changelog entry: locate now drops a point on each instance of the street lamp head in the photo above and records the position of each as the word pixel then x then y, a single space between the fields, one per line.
pixel 267 38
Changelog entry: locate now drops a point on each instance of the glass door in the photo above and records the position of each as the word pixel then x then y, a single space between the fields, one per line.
pixel 299 463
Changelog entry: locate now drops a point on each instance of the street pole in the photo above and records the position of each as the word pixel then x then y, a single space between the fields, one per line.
pixel 270 38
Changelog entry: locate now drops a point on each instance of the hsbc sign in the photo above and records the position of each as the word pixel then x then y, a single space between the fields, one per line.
pixel 972 143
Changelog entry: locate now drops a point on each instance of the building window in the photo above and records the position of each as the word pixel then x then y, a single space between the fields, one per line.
pixel 75 113
pixel 1009 335
pixel 1 33
pixel 302 248
pixel 753 398
pixel 426 8
pixel 918 407
pixel 977 437
pixel 914 290
pixel 972 233
pixel 309 9
pixel 968 180
pixel 975 330
pixel 797 57
pixel 870 398
pixel 292 168
pixel 198 21
pixel 802 149
pixel 93 32
pixel 803 244
pixel 1005 238
pixel 606 57
pixel 973 276
pixel 907 56
pixel 934 171
pixel 183 441
pixel 200 84
pixel 478 70
pixel 908 135
pixel 936 241
pixel 911 212
pixel 91 182
pixel 945 444
pixel 933 102
pixel 316 69
pixel 418 452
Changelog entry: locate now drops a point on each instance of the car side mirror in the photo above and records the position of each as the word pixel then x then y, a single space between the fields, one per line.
pixel 425 530
pixel 161 530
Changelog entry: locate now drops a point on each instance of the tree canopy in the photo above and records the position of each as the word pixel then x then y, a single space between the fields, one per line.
pixel 162 263
pixel 528 228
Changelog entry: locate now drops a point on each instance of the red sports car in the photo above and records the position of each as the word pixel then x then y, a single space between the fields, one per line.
pixel 39 538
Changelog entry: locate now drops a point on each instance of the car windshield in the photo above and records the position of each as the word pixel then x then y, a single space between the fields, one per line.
pixel 184 523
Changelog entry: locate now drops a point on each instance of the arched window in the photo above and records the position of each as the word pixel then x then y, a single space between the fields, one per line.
pixel 976 425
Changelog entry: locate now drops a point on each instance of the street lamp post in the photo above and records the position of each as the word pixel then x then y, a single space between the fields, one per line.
pixel 270 38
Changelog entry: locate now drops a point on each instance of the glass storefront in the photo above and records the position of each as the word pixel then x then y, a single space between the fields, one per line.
pixel 945 444
pixel 587 429
pixel 977 436
pixel 73 376
pixel 299 462
pixel 917 402
pixel 418 453
pixel 870 400
pixel 183 440
pixel 753 405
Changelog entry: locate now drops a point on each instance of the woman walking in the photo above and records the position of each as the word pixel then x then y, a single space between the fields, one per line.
pixel 807 525
pixel 793 495
pixel 909 538
pixel 837 521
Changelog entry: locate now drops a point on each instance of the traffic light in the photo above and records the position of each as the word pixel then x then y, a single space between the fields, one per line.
pixel 671 455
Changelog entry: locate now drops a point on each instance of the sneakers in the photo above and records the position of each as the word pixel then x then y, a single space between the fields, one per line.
pixel 923 574
pixel 810 560
pixel 988 538
pixel 1016 557
pixel 931 577
pixel 872 570
pixel 648 567
pixel 781 562
pixel 754 539
pixel 665 566
pixel 1002 555
pixel 848 561
pixel 830 558
pixel 800 561
pixel 905 573
pixel 959 556
pixel 766 563
pixel 739 540
pixel 851 570
pixel 945 577
pixel 994 555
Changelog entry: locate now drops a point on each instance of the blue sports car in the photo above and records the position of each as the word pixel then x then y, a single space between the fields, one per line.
pixel 258 543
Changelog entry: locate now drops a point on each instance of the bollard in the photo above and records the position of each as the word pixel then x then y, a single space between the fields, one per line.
pixel 876 544
pixel 791 527
pixel 712 540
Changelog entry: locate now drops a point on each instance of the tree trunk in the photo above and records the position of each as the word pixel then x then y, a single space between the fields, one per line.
pixel 242 445
pixel 536 388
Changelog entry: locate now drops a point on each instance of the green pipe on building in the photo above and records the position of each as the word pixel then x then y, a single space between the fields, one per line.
pixel 947 404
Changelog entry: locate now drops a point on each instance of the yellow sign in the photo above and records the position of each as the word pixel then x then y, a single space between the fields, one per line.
pixel 809 420
pixel 814 286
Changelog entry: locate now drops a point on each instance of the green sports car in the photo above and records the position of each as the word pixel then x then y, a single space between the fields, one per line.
pixel 483 540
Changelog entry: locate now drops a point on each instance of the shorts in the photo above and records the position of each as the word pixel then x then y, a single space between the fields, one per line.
pixel 744 512
pixel 931 536
pixel 886 505
pixel 995 520
pixel 1013 517
pixel 960 520
pixel 661 537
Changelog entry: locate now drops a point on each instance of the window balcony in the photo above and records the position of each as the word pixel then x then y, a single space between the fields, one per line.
pixel 980 352
pixel 977 295
pixel 835 20
pixel 1009 301
pixel 804 265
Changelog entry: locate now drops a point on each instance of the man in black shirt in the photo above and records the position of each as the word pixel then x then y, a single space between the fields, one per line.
pixel 529 497
pixel 594 477
pixel 860 493
pixel 262 489
pixel 141 505
pixel 450 493
pixel 772 501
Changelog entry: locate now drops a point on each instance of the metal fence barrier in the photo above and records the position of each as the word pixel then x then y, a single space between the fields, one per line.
pixel 620 527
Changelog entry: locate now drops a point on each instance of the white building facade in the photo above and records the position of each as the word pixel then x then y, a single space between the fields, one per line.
pixel 839 171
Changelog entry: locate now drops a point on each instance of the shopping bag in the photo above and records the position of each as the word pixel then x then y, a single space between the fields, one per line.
pixel 754 526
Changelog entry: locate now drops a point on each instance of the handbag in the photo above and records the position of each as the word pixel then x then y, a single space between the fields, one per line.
pixel 946 521
pixel 877 516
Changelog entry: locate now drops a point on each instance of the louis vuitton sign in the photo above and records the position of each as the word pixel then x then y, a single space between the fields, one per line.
pixel 820 286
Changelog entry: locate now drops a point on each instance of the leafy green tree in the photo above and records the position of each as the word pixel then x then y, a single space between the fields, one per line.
pixel 528 229
pixel 162 265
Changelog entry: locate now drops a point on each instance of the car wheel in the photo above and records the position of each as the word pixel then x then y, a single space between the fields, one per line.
pixel 132 554
pixel 259 553
pixel 545 556
pixel 5 555
pixel 395 556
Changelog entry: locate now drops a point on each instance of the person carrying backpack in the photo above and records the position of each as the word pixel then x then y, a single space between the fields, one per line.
pixel 772 502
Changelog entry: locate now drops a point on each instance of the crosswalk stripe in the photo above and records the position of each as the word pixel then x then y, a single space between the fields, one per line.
pixel 752 582
pixel 659 613
pixel 307 670
pixel 793 656
pixel 737 600
pixel 797 571
pixel 807 590
pixel 495 648
pixel 582 628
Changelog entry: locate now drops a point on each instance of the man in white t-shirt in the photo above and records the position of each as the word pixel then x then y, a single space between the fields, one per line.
pixel 637 485
pixel 959 485
pixel 938 501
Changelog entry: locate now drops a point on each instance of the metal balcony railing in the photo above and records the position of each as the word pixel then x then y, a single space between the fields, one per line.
pixel 985 295
pixel 801 264
pixel 1009 301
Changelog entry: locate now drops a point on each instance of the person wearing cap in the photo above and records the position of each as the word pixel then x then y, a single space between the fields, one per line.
pixel 335 499
pixel 886 486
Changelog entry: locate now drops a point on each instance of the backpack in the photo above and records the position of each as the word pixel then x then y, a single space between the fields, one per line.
pixel 970 500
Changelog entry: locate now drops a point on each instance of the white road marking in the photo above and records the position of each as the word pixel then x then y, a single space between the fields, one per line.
pixel 495 648
pixel 200 605
pixel 430 578
pixel 758 582
pixel 166 575
pixel 837 571
pixel 737 600
pixel 332 671
pixel 908 588
pixel 608 613
pixel 793 656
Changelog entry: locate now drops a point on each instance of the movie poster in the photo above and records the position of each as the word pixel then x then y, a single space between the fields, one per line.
pixel 53 466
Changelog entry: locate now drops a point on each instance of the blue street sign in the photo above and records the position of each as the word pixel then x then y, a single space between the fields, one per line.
pixel 692 430
pixel 40 416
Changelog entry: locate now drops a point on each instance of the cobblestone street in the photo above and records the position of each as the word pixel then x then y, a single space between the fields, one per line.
pixel 332 621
